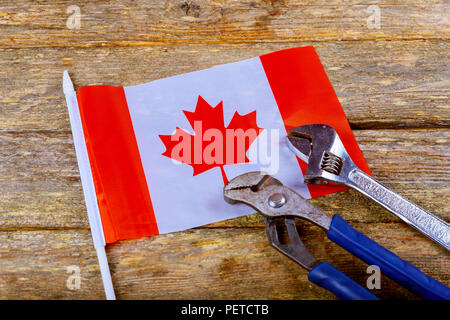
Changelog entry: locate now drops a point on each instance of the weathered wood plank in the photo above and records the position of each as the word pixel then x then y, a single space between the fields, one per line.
pixel 40 186
pixel 199 264
pixel 408 87
pixel 142 23
pixel 34 265
pixel 381 84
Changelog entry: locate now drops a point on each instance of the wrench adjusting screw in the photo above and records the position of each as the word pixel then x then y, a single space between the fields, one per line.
pixel 331 163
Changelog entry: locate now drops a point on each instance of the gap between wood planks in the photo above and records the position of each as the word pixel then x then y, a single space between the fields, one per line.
pixel 381 85
pixel 352 126
pixel 143 44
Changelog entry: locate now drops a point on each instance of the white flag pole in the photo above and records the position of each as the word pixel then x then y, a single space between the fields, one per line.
pixel 88 184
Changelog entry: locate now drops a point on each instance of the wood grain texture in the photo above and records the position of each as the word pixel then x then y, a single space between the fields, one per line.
pixel 145 23
pixel 34 265
pixel 380 84
pixel 393 83
pixel 236 263
pixel 44 230
pixel 40 172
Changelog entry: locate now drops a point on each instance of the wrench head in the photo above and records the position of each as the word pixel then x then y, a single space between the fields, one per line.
pixel 320 146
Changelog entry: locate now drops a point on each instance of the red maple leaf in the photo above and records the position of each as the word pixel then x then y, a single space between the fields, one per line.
pixel 213 144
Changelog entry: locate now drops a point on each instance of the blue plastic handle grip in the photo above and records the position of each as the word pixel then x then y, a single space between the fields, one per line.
pixel 330 278
pixel 390 264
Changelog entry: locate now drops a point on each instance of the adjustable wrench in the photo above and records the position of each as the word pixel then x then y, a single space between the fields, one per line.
pixel 320 146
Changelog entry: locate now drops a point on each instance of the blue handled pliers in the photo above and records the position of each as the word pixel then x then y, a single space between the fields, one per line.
pixel 277 202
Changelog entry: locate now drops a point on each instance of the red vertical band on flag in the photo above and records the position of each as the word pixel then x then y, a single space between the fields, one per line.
pixel 122 194
pixel 304 95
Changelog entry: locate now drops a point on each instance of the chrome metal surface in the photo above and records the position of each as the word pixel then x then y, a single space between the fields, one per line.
pixel 277 200
pixel 255 190
pixel 422 220
pixel 329 161
pixel 294 247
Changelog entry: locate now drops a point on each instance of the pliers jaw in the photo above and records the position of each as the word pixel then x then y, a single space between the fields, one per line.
pixel 293 247
pixel 271 198
pixel 320 146
pixel 279 205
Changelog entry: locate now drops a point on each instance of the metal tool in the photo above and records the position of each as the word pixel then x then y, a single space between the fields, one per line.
pixel 274 200
pixel 320 273
pixel 320 146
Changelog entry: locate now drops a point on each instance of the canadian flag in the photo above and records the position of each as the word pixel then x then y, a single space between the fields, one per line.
pixel 154 157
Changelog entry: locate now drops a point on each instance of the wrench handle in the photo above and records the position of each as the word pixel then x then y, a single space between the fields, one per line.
pixel 419 218
pixel 391 265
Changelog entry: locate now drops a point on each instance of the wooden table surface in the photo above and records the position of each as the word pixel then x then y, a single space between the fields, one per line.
pixel 393 83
